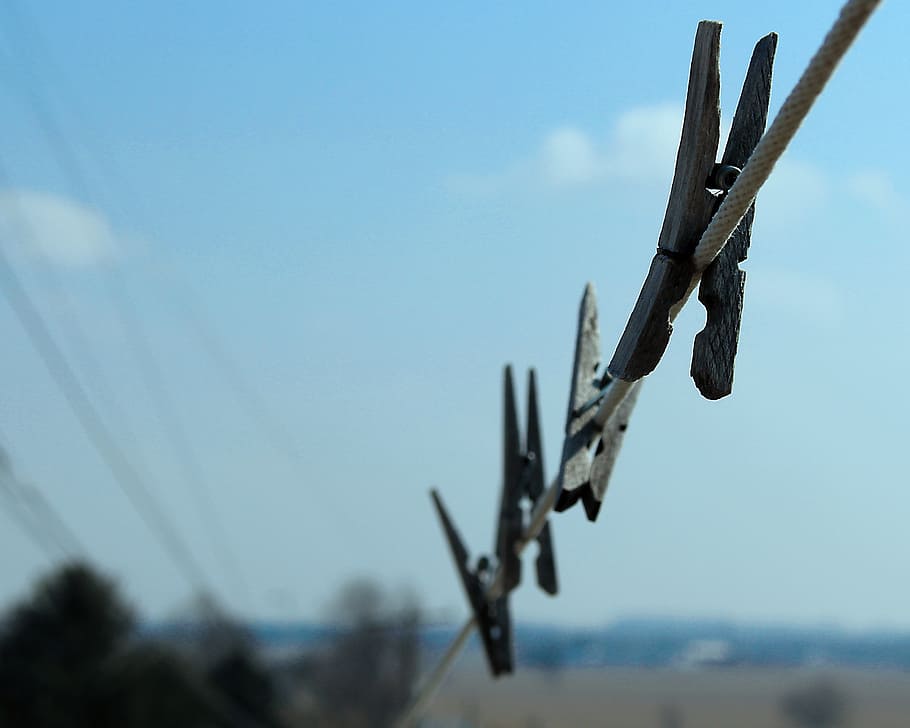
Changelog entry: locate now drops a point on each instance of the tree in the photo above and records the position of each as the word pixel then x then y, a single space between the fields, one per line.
pixel 55 648
pixel 819 705
pixel 365 675
pixel 149 686
pixel 69 659
pixel 226 655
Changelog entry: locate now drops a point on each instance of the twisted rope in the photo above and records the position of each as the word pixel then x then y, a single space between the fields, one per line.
pixel 736 203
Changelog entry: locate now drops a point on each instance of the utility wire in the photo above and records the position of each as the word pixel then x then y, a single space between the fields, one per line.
pixel 88 363
pixel 194 478
pixel 191 311
pixel 11 501
pixel 80 349
pixel 98 434
pixel 246 395
pixel 143 354
pixel 41 521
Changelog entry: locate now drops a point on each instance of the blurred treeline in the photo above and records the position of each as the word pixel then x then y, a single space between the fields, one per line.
pixel 72 656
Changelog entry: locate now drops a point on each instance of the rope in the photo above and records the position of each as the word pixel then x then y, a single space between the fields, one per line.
pixel 736 203
pixel 433 681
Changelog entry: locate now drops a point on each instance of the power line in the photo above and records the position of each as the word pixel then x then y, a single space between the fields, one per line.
pixel 39 519
pixel 98 434
pixel 81 350
pixel 80 347
pixel 17 511
pixel 245 393
pixel 138 342
pixel 190 311
pixel 194 478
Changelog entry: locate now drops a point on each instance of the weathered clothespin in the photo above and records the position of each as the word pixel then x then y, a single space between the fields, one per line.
pixel 697 189
pixel 509 527
pixel 589 450
pixel 535 486
pixel 523 477
pixel 723 283
pixel 494 622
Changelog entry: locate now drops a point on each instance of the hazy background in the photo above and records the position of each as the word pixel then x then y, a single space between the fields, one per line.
pixel 374 208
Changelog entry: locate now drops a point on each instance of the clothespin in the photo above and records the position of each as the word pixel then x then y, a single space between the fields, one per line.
pixel 523 477
pixel 509 527
pixel 697 189
pixel 535 486
pixel 493 620
pixel 723 283
pixel 589 449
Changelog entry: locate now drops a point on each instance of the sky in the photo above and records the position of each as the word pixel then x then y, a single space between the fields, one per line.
pixel 305 238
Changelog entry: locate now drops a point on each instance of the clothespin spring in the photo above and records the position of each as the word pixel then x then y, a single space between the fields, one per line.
pixel 602 384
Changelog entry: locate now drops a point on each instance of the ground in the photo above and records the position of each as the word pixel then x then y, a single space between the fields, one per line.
pixel 630 698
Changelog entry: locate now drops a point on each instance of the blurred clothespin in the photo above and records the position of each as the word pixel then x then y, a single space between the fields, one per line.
pixel 535 486
pixel 589 450
pixel 699 184
pixel 523 477
pixel 493 620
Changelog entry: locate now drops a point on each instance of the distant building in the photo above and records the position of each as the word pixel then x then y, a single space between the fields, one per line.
pixel 704 653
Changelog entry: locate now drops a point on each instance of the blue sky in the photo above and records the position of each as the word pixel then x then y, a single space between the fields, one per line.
pixel 378 206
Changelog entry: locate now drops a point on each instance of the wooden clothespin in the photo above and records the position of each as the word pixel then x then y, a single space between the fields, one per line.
pixel 723 283
pixel 508 530
pixel 697 189
pixel 523 477
pixel 535 486
pixel 589 450
pixel 494 623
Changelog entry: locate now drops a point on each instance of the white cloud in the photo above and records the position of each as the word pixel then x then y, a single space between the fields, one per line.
pixel 642 143
pixel 875 188
pixel 58 229
pixel 640 147
pixel 569 157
